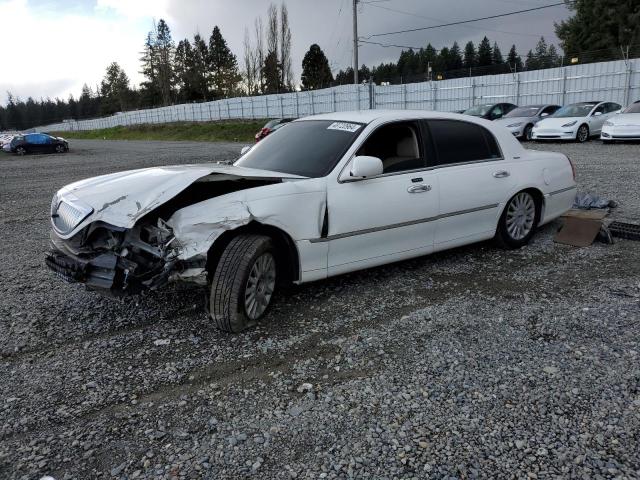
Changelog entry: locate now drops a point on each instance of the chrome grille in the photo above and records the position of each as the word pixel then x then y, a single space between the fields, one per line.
pixel 66 216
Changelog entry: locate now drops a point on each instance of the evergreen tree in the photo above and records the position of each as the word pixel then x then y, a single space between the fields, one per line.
pixel 150 91
pixel 496 55
pixel 185 72
pixel 164 50
pixel 470 55
pixel 531 62
pixel 514 60
pixel 114 90
pixel 553 59
pixel 600 24
pixel 484 53
pixel 272 74
pixel 200 67
pixel 455 57
pixel 316 72
pixel 223 66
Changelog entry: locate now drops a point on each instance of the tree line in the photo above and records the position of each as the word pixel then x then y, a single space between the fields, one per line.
pixel 204 69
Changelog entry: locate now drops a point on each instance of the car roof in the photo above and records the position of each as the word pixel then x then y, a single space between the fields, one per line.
pixel 369 116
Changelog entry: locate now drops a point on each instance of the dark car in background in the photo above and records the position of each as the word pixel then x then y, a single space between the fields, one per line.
pixel 38 143
pixel 271 127
pixel 490 111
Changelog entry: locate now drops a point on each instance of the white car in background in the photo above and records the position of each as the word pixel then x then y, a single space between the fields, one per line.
pixel 521 120
pixel 624 126
pixel 579 121
pixel 326 195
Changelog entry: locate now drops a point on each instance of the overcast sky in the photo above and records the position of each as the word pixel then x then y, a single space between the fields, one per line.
pixel 65 43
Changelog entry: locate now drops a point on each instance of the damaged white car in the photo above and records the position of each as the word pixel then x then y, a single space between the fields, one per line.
pixel 327 195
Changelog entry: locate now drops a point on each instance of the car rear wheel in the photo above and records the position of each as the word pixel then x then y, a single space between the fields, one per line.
pixel 21 150
pixel 528 132
pixel 60 148
pixel 518 221
pixel 243 283
pixel 582 134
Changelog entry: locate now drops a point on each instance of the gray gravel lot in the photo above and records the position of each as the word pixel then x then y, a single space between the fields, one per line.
pixel 471 363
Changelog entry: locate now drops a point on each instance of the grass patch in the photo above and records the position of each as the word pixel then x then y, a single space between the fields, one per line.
pixel 226 131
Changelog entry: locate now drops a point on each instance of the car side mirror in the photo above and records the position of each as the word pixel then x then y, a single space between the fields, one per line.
pixel 245 149
pixel 365 167
pixel 597 114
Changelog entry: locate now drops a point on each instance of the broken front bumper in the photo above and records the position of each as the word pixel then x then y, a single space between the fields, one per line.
pixel 100 273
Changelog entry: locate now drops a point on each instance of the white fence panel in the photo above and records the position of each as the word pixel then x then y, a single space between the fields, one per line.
pixel 617 81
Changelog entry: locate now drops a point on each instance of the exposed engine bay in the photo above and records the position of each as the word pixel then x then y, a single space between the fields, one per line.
pixel 120 261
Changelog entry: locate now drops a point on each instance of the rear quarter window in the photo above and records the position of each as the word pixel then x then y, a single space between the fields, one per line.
pixel 457 141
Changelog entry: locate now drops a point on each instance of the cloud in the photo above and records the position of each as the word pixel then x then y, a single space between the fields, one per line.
pixel 63 50
pixel 67 47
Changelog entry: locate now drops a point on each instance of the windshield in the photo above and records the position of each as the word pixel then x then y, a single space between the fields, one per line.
pixel 633 108
pixel 310 148
pixel 576 110
pixel 523 112
pixel 478 110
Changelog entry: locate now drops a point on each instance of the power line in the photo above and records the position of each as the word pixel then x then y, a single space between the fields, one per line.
pixel 440 20
pixel 465 21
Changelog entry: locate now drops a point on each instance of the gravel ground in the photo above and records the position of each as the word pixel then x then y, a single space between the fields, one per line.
pixel 475 362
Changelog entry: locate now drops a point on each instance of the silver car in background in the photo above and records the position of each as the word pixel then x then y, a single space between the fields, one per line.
pixel 521 120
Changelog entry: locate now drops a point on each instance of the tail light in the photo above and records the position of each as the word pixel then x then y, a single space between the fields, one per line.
pixel 573 168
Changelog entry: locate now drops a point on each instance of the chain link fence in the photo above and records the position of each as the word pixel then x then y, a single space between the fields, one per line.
pixel 616 81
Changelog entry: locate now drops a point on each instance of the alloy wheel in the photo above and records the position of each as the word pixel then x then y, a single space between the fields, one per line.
pixel 583 133
pixel 260 285
pixel 521 214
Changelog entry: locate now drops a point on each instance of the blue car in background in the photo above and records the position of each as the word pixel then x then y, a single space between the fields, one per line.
pixel 38 143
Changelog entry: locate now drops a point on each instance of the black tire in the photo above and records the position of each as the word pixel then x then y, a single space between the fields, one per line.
pixel 526 134
pixel 60 149
pixel 229 282
pixel 21 151
pixel 503 238
pixel 582 134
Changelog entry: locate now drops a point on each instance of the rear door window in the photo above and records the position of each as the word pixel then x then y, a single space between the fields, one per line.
pixel 457 141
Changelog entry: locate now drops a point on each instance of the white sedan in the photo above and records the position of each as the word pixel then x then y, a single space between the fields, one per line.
pixel 579 121
pixel 624 126
pixel 327 195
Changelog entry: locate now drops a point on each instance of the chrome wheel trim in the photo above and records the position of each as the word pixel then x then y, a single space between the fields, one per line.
pixel 260 286
pixel 583 133
pixel 521 214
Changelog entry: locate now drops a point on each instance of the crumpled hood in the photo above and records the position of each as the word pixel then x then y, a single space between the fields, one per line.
pixel 120 199
pixel 558 122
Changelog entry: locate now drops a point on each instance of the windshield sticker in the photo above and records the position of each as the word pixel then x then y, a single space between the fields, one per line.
pixel 343 126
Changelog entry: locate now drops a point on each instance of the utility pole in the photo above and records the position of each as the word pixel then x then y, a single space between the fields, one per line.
pixel 355 42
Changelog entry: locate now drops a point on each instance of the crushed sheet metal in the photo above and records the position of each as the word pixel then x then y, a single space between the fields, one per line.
pixel 195 233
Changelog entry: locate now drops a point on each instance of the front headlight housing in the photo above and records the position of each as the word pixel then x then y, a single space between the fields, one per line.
pixel 513 125
pixel 608 124
pixel 570 124
pixel 67 212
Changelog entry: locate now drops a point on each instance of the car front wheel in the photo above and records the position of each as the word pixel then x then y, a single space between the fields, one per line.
pixel 583 134
pixel 60 148
pixel 528 132
pixel 243 283
pixel 518 221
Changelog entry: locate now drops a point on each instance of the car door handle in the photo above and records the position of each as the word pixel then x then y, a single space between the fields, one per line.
pixel 418 188
pixel 501 174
